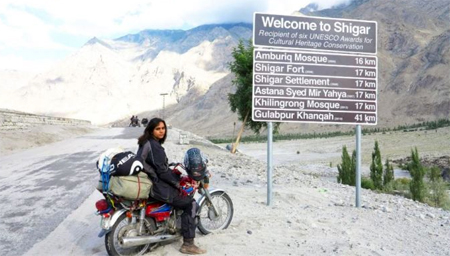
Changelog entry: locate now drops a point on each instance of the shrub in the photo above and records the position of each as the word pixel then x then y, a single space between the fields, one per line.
pixel 403 182
pixel 367 183
pixel 437 196
pixel 389 187
pixel 399 187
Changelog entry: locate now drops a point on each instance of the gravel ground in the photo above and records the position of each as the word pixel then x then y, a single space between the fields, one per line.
pixel 308 215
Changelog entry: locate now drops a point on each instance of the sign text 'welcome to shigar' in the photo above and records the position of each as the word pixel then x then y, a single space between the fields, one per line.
pixel 315 33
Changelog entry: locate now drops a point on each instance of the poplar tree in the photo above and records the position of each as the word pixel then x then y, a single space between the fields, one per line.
pixel 376 168
pixel 347 169
pixel 417 171
pixel 388 173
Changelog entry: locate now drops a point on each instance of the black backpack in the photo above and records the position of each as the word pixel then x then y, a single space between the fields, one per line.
pixel 125 164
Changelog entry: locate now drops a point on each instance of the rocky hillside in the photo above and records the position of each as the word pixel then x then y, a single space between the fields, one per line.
pixel 181 41
pixel 205 114
pixel 414 56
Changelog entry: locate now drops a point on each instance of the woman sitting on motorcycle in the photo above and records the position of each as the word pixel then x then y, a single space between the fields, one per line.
pixel 166 185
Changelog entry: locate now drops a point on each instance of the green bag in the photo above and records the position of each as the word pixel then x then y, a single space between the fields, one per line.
pixel 130 187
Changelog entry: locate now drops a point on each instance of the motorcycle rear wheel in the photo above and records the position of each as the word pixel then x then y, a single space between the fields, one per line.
pixel 123 228
pixel 208 221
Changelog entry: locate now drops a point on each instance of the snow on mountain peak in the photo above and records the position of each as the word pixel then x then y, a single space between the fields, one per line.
pixel 106 80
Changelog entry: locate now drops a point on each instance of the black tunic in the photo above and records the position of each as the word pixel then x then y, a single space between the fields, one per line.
pixel 156 166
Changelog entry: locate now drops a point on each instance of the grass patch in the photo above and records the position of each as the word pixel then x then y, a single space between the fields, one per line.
pixel 432 125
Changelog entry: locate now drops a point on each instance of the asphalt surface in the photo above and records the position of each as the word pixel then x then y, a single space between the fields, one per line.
pixel 40 187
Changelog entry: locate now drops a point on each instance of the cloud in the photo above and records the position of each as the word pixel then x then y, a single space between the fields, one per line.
pixel 22 29
pixel 324 4
pixel 65 25
pixel 103 18
pixel 16 62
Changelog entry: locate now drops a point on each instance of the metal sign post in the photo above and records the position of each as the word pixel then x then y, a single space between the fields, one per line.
pixel 358 166
pixel 269 162
pixel 164 103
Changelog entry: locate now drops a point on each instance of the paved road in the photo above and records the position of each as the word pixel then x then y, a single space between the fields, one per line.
pixel 40 187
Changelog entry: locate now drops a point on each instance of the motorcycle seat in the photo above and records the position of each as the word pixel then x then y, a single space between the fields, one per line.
pixel 152 200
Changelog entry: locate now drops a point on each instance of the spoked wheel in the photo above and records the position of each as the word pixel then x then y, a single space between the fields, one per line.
pixel 124 228
pixel 209 221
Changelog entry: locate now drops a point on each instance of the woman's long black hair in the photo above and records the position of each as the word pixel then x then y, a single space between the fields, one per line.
pixel 148 132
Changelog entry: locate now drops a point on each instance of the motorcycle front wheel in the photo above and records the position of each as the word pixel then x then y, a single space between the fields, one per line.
pixel 208 221
pixel 124 228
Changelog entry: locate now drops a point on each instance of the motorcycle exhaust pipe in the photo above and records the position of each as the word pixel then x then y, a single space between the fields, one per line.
pixel 128 242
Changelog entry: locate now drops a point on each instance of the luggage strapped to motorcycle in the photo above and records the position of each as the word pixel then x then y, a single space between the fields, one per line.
pixel 121 179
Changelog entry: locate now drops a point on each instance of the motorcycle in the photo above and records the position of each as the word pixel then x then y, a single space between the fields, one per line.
pixel 139 226
pixel 135 123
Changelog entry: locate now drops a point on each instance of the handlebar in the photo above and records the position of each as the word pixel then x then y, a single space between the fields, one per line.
pixel 176 165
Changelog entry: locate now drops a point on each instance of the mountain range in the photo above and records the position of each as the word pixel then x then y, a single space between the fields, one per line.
pixel 413 70
pixel 414 56
pixel 107 81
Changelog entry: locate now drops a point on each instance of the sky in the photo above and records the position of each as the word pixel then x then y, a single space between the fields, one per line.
pixel 36 34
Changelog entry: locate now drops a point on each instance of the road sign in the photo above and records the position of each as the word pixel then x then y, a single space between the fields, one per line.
pixel 315 33
pixel 294 86
pixel 314 87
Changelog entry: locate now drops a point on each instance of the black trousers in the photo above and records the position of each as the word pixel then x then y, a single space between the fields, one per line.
pixel 189 207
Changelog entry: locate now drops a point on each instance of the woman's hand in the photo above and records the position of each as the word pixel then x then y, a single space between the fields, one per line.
pixel 181 191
